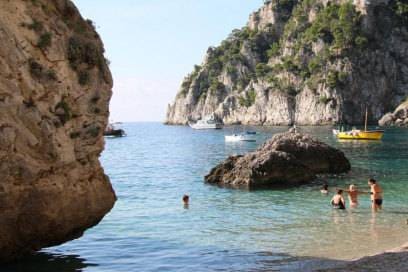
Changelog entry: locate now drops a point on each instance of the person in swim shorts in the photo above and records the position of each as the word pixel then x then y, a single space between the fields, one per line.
pixel 376 194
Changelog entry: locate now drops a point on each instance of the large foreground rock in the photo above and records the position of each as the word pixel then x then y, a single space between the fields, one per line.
pixel 55 89
pixel 287 159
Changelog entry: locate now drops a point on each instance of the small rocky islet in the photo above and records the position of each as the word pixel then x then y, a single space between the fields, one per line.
pixel 287 159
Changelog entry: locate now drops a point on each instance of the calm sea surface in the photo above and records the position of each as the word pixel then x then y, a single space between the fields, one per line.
pixel 225 229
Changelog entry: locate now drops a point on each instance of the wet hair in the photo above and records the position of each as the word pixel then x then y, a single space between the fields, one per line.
pixel 325 187
pixel 185 198
pixel 339 191
pixel 371 180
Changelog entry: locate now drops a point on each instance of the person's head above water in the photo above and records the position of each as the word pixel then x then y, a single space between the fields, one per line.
pixel 372 181
pixel 325 187
pixel 186 199
pixel 339 191
pixel 352 187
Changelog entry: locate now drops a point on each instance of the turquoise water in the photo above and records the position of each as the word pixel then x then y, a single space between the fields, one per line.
pixel 225 229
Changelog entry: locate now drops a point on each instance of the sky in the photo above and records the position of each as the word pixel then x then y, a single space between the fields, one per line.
pixel 153 44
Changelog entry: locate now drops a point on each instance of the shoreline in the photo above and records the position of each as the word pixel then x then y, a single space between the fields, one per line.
pixel 395 259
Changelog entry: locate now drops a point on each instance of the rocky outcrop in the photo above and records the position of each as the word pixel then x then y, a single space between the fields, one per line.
pixel 55 88
pixel 398 118
pixel 287 159
pixel 303 62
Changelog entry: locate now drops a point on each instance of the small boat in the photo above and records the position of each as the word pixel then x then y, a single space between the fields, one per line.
pixel 240 138
pixel 208 122
pixel 356 134
pixel 111 131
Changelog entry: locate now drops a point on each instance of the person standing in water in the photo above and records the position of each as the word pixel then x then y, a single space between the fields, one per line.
pixel 338 200
pixel 376 195
pixel 353 195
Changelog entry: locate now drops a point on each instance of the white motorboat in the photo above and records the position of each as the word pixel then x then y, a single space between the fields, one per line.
pixel 240 138
pixel 208 122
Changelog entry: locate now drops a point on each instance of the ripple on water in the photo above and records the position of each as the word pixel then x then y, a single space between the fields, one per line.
pixel 231 230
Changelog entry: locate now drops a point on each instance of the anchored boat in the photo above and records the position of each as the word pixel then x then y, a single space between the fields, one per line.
pixel 111 131
pixel 208 122
pixel 249 136
pixel 356 134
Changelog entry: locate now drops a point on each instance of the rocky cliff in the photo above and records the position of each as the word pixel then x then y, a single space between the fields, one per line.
pixel 397 118
pixel 55 88
pixel 309 62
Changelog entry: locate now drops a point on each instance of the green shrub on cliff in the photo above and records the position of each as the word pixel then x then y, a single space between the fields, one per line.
pixel 336 79
pixel 216 87
pixel 248 99
pixel 37 26
pixel 262 69
pixel 45 40
pixel 40 73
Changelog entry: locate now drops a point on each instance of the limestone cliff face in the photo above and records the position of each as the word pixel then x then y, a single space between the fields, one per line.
pixel 55 89
pixel 397 118
pixel 309 62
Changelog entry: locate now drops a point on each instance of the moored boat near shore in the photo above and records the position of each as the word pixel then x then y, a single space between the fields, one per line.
pixel 240 138
pixel 208 122
pixel 111 131
pixel 356 134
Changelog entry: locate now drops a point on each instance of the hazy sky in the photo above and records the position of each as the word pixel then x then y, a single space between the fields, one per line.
pixel 153 44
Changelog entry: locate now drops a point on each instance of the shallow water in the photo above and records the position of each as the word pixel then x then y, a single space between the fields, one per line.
pixel 225 229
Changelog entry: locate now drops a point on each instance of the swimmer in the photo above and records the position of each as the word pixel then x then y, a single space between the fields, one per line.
pixel 325 189
pixel 186 200
pixel 338 200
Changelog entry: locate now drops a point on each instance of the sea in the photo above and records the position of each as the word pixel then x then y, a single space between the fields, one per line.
pixel 224 229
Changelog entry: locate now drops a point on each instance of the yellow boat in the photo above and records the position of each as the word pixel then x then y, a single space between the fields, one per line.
pixel 365 134
pixel 361 135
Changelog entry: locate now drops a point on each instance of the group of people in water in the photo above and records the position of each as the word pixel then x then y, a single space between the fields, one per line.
pixel 338 201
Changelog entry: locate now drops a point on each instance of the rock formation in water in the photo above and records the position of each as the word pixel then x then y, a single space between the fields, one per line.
pixel 287 159
pixel 310 62
pixel 398 118
pixel 55 88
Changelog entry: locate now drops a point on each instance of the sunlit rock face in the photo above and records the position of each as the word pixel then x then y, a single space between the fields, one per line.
pixel 55 88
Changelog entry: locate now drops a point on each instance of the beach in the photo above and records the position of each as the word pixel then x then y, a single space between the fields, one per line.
pixel 392 260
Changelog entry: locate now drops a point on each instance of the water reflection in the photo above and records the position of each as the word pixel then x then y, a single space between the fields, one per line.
pixel 44 262
pixel 223 229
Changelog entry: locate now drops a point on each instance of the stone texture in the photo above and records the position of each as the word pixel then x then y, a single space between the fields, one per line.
pixel 377 76
pixel 54 97
pixel 398 118
pixel 287 159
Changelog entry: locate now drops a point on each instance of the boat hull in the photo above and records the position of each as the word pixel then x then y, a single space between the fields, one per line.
pixel 240 138
pixel 206 126
pixel 361 135
pixel 114 133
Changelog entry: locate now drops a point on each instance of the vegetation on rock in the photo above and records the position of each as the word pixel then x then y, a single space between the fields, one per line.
pixel 290 48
